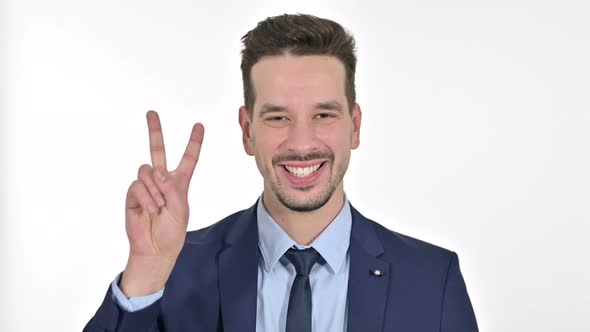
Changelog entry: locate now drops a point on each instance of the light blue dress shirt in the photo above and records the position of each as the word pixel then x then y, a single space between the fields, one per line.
pixel 328 278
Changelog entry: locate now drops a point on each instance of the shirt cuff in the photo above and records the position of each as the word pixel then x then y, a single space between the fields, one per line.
pixel 133 303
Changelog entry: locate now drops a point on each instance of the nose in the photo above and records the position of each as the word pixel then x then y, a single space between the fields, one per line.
pixel 302 138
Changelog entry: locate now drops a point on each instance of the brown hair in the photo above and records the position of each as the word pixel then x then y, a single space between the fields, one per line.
pixel 298 35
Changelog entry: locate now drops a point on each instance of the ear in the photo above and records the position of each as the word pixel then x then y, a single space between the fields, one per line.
pixel 356 125
pixel 246 124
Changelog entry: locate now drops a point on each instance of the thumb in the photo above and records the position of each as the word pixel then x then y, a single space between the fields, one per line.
pixel 160 176
pixel 176 202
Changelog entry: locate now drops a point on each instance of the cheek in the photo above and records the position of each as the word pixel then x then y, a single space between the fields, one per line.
pixel 265 147
pixel 337 139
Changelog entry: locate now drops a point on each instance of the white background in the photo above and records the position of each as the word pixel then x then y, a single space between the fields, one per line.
pixel 475 137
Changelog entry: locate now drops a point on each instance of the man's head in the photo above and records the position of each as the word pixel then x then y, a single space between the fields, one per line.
pixel 300 118
pixel 297 35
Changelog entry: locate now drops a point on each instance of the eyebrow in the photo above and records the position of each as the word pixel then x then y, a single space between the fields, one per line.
pixel 331 105
pixel 270 108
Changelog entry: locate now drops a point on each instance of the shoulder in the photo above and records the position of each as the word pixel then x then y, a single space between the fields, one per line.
pixel 235 227
pixel 201 246
pixel 402 242
pixel 214 232
pixel 408 250
pixel 416 263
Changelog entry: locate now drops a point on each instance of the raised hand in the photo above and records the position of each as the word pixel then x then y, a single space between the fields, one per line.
pixel 157 213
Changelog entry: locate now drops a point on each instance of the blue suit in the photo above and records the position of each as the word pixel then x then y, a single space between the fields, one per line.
pixel 213 285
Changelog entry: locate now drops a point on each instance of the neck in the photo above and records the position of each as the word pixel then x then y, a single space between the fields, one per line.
pixel 304 227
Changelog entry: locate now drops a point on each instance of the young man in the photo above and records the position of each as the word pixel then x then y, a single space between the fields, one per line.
pixel 300 259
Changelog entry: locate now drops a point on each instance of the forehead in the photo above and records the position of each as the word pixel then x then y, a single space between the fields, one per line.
pixel 298 80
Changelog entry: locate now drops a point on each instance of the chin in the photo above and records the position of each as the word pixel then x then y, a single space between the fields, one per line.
pixel 306 201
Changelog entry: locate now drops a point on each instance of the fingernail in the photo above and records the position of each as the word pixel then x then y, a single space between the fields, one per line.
pixel 160 200
pixel 151 208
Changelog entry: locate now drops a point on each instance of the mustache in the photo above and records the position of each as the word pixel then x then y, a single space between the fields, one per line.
pixel 278 159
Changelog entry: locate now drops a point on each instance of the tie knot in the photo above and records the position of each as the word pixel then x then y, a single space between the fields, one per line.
pixel 303 260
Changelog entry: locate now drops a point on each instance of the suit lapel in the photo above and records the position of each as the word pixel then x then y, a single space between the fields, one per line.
pixel 238 275
pixel 367 293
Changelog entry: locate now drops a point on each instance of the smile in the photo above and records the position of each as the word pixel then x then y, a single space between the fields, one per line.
pixel 302 172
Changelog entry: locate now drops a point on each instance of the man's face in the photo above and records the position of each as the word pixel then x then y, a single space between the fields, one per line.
pixel 301 131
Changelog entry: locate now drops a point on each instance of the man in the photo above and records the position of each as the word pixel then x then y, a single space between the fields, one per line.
pixel 301 258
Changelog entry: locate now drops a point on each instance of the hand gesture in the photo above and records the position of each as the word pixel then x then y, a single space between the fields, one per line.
pixel 157 212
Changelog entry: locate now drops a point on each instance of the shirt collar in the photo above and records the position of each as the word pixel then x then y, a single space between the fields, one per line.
pixel 331 244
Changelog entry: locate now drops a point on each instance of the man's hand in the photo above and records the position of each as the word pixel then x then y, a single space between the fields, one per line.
pixel 157 213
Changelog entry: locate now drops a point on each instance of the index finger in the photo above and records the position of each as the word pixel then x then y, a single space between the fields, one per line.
pixel 193 150
pixel 157 150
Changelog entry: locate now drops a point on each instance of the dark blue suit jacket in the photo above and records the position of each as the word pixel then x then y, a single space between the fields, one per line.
pixel 214 283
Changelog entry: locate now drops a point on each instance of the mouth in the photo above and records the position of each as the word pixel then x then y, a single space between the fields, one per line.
pixel 303 173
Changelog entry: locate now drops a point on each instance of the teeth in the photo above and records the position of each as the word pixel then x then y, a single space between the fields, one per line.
pixel 302 171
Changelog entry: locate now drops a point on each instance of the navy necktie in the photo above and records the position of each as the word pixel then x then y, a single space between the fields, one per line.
pixel 299 312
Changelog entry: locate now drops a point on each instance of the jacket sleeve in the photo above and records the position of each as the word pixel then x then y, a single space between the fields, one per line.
pixel 110 317
pixel 133 303
pixel 457 311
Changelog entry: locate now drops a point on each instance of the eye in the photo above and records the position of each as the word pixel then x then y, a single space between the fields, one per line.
pixel 277 118
pixel 277 121
pixel 325 115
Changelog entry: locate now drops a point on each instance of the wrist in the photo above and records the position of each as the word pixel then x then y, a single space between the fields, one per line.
pixel 145 275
